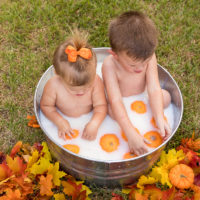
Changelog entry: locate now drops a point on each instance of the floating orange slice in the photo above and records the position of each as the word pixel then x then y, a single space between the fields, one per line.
pixel 153 122
pixel 153 137
pixel 124 136
pixel 139 107
pixel 76 133
pixel 109 142
pixel 72 147
pixel 129 155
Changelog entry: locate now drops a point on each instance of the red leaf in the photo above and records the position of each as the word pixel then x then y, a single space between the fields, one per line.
pixel 116 196
pixel 82 196
pixel 197 180
pixel 15 149
pixel 169 194
pixel 2 157
pixel 38 146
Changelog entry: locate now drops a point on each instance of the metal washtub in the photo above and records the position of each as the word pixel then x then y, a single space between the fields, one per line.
pixel 110 173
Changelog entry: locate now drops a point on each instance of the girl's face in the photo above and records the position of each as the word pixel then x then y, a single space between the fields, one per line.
pixel 130 64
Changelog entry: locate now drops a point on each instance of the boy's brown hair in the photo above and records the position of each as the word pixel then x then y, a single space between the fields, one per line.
pixel 81 72
pixel 134 33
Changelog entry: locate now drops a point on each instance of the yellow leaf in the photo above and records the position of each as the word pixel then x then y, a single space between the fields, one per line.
pixel 161 174
pixel 59 196
pixel 33 159
pixel 40 167
pixel 84 187
pixel 170 159
pixel 46 152
pixel 54 170
pixel 143 180
pixel 126 190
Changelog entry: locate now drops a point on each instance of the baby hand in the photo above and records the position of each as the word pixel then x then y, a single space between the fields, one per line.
pixel 64 128
pixel 90 131
pixel 137 144
pixel 165 130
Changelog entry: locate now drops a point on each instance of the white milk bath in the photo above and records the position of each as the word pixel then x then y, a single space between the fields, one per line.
pixel 92 149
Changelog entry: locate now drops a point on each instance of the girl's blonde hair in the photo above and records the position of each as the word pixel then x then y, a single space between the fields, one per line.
pixel 81 72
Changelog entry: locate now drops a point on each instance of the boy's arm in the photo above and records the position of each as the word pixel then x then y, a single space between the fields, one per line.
pixel 99 110
pixel 48 107
pixel 155 94
pixel 136 143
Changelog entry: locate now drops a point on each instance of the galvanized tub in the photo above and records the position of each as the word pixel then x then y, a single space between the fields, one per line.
pixel 110 173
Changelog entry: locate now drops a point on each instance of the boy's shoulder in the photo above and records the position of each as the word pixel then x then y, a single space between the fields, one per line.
pixel 108 63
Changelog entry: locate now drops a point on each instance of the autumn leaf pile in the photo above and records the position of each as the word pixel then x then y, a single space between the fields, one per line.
pixel 29 173
pixel 157 184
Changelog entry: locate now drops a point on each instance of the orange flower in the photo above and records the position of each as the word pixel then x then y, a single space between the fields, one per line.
pixel 129 155
pixel 75 135
pixel 153 137
pixel 72 147
pixel 139 107
pixel 109 142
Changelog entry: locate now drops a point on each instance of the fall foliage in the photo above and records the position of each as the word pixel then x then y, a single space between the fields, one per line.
pixel 30 173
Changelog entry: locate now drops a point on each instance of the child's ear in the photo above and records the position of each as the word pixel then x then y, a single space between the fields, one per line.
pixel 113 53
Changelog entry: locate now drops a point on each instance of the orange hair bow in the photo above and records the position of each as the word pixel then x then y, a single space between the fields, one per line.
pixel 73 53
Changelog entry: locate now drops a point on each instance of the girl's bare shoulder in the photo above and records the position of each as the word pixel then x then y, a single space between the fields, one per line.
pixel 53 82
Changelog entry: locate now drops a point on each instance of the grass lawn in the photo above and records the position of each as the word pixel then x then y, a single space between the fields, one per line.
pixel 30 30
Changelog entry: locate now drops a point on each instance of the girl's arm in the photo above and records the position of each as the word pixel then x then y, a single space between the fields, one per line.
pixel 99 110
pixel 48 107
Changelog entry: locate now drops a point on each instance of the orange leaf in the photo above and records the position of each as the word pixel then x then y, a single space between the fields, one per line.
pixel 4 171
pixel 15 149
pixel 46 185
pixel 16 165
pixel 27 187
pixel 33 121
pixel 153 192
pixel 134 195
pixel 13 195
pixel 191 143
pixel 71 189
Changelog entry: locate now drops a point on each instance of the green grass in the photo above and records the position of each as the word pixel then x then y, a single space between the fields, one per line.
pixel 30 30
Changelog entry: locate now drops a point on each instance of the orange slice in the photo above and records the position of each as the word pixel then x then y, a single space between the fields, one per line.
pixel 109 142
pixel 139 107
pixel 153 122
pixel 153 137
pixel 76 133
pixel 72 147
pixel 129 155
pixel 124 136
